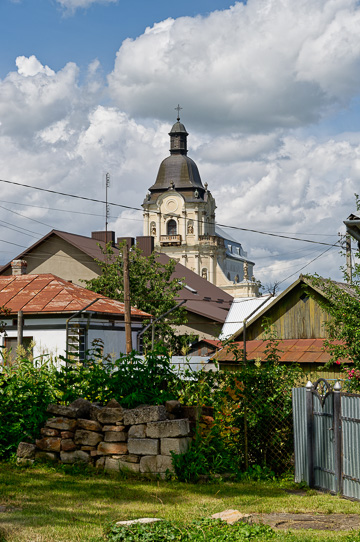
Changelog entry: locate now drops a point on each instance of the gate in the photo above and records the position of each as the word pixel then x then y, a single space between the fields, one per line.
pixel 327 438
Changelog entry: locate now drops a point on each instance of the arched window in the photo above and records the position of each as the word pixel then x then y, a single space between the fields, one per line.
pixel 171 227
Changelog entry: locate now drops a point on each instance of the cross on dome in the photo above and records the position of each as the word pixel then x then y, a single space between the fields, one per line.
pixel 178 109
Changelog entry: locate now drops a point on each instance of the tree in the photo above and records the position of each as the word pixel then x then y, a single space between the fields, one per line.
pixel 342 302
pixel 151 289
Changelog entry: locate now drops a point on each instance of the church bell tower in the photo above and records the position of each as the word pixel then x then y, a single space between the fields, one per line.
pixel 179 212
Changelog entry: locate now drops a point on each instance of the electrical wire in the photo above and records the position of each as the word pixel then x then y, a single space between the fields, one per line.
pixel 84 198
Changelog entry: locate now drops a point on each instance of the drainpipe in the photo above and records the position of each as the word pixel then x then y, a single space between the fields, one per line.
pixel 73 316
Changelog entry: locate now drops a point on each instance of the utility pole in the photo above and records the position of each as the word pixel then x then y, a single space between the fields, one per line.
pixel 127 299
pixel 348 258
pixel 107 209
pixel 20 327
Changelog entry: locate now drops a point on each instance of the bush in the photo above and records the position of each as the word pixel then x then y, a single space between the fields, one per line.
pixel 206 530
pixel 26 388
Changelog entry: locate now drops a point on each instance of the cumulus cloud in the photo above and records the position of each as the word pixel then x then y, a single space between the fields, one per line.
pixel 253 67
pixel 247 77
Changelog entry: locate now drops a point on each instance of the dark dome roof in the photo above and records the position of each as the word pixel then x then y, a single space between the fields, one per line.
pixel 180 169
pixel 178 128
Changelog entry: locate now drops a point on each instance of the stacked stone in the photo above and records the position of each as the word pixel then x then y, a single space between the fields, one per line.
pixel 138 440
pixel 152 437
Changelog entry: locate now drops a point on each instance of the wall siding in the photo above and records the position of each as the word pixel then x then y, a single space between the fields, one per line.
pixel 293 318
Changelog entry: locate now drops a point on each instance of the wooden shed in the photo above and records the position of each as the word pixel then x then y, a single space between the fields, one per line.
pixel 298 320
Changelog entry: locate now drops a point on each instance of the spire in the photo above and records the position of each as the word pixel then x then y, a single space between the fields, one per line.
pixel 178 136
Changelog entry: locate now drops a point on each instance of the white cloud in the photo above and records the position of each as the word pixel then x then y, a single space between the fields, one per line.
pixel 31 66
pixel 36 96
pixel 72 5
pixel 258 66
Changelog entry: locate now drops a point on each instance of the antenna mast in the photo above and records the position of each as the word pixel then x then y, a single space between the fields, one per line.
pixel 107 208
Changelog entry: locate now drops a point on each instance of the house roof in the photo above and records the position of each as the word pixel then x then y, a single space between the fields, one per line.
pixel 290 351
pixel 48 293
pixel 87 245
pixel 240 309
pixel 210 301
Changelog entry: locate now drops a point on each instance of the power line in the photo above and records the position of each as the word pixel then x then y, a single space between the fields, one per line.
pixel 158 212
pixel 311 261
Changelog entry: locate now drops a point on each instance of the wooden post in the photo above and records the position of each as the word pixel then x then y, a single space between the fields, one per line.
pixel 309 431
pixel 348 259
pixel 20 326
pixel 337 437
pixel 127 314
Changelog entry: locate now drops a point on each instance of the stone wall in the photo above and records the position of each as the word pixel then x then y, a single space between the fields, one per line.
pixel 139 440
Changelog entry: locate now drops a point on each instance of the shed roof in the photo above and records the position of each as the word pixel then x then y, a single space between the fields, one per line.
pixel 240 309
pixel 48 293
pixel 290 351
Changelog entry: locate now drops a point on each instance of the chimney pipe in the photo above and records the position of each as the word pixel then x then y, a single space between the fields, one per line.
pixel 18 267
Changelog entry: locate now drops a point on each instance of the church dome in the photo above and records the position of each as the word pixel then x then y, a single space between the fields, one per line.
pixel 180 170
pixel 178 128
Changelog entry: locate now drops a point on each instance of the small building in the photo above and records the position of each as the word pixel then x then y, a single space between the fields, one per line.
pixel 298 321
pixel 58 316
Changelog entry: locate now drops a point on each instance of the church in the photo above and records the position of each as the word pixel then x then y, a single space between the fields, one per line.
pixel 179 212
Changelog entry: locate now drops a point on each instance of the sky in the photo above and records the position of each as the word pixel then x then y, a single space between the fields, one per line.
pixel 271 100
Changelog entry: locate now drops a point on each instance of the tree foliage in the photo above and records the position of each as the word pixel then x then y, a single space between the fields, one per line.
pixel 342 302
pixel 152 289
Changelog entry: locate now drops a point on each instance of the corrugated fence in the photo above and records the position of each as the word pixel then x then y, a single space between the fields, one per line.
pixel 327 438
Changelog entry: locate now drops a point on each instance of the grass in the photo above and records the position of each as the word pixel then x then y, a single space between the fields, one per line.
pixel 48 504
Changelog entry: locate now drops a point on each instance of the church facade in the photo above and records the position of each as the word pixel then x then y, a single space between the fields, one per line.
pixel 179 212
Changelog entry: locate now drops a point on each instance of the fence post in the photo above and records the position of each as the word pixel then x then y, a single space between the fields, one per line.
pixel 309 431
pixel 337 436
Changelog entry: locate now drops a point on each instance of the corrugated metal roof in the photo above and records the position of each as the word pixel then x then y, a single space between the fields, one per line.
pixel 51 294
pixel 240 309
pixel 290 350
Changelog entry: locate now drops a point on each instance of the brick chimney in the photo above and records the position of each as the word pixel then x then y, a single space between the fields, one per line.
pixel 18 267
pixel 105 236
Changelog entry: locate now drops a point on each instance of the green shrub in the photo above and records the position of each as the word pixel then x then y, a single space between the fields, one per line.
pixel 206 530
pixel 26 388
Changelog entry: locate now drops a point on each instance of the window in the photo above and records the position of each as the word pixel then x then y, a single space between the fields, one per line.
pixel 11 346
pixel 171 227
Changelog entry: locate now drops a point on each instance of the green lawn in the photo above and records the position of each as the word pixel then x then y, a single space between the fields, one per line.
pixel 44 504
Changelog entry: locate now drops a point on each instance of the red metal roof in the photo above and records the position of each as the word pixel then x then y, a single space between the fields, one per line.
pixel 290 350
pixel 51 294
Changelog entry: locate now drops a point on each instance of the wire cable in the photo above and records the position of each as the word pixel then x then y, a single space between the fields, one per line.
pixel 158 212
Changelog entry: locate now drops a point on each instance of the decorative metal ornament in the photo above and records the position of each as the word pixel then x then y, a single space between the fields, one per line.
pixel 322 389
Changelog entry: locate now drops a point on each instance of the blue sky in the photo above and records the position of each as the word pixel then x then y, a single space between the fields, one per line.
pixel 56 35
pixel 270 97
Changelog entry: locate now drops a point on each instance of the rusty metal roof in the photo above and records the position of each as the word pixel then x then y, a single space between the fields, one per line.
pixel 290 351
pixel 48 293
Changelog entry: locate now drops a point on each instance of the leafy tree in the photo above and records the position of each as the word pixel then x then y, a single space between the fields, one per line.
pixel 151 289
pixel 342 302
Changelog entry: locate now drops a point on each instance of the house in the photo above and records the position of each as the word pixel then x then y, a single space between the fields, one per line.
pixel 58 316
pixel 298 320
pixel 73 258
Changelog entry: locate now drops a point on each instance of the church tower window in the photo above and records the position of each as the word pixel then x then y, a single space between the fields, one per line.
pixel 171 227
